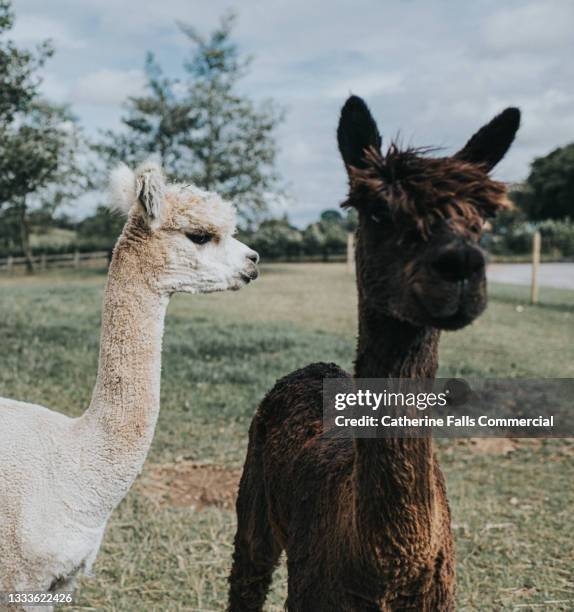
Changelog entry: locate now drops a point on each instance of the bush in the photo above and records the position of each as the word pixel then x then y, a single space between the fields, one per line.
pixel 557 238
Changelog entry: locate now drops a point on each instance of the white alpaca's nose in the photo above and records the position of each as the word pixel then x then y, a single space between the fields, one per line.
pixel 253 256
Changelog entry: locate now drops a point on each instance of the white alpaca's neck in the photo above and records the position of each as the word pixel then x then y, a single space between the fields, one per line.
pixel 125 399
pixel 119 424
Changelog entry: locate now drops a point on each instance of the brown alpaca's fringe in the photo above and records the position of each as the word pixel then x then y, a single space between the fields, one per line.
pixel 424 189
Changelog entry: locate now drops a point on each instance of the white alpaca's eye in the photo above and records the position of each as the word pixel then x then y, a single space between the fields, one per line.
pixel 199 238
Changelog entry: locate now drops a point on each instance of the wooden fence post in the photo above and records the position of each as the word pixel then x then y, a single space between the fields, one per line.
pixel 350 252
pixel 535 267
pixel 10 264
pixel 76 259
pixel 43 262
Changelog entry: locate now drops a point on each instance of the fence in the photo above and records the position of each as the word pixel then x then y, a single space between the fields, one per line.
pixel 76 260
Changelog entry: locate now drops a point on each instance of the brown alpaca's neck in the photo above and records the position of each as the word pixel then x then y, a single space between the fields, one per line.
pixel 394 478
pixel 390 348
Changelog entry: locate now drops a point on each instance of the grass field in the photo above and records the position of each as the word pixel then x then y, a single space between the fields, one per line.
pixel 168 546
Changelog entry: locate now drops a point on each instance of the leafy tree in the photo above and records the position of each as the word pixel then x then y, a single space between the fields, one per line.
pixel 313 239
pixel 64 221
pixel 102 228
pixel 18 84
pixel 38 141
pixel 38 157
pixel 549 189
pixel 154 122
pixel 352 220
pixel 328 235
pixel 335 239
pixel 325 239
pixel 232 147
pixel 202 127
pixel 276 238
pixel 18 70
pixel 331 216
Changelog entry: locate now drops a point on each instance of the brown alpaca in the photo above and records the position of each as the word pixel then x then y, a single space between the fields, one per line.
pixel 365 523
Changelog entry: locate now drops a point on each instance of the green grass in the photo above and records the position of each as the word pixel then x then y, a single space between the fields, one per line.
pixel 511 512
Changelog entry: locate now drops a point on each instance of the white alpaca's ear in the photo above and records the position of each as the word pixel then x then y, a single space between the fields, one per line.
pixel 144 188
pixel 122 189
pixel 150 190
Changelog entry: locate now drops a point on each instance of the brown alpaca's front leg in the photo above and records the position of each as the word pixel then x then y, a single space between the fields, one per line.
pixel 256 551
pixel 251 575
pixel 434 592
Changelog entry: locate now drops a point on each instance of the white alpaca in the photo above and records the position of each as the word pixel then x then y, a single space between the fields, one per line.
pixel 60 478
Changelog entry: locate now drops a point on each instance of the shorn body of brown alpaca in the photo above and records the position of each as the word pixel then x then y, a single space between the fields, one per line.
pixel 365 523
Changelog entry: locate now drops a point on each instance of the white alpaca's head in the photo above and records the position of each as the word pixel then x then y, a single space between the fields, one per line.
pixel 182 235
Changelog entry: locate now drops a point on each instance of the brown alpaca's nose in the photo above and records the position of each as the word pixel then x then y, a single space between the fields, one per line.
pixel 459 263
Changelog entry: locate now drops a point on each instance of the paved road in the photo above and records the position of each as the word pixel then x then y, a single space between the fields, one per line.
pixel 559 275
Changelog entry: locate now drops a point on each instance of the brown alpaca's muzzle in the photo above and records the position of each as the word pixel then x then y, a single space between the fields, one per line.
pixel 453 292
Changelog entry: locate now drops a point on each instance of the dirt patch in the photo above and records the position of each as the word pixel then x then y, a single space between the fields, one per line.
pixel 190 484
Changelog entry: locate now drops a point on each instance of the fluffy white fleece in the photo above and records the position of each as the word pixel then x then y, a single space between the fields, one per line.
pixel 60 478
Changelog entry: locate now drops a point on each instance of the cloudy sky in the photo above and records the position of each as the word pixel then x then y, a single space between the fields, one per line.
pixel 432 71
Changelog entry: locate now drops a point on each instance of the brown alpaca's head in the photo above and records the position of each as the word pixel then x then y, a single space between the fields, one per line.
pixel 420 219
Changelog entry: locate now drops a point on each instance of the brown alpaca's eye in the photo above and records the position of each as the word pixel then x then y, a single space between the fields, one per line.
pixel 380 212
pixel 199 238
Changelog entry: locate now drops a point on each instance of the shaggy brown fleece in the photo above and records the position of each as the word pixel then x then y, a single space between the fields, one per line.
pixel 365 523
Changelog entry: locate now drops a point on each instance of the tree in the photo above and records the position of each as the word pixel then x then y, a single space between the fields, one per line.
pixel 549 189
pixel 38 141
pixel 352 220
pixel 313 239
pixel 328 235
pixel 38 156
pixel 154 122
pixel 231 147
pixel 276 238
pixel 18 70
pixel 331 216
pixel 102 228
pixel 202 127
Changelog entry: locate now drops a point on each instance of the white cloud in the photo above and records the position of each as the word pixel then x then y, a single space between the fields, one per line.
pixel 55 87
pixel 433 71
pixel 107 87
pixel 530 27
pixel 34 28
pixel 367 85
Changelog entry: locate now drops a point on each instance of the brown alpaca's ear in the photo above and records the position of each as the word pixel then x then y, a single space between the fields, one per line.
pixel 357 132
pixel 490 144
